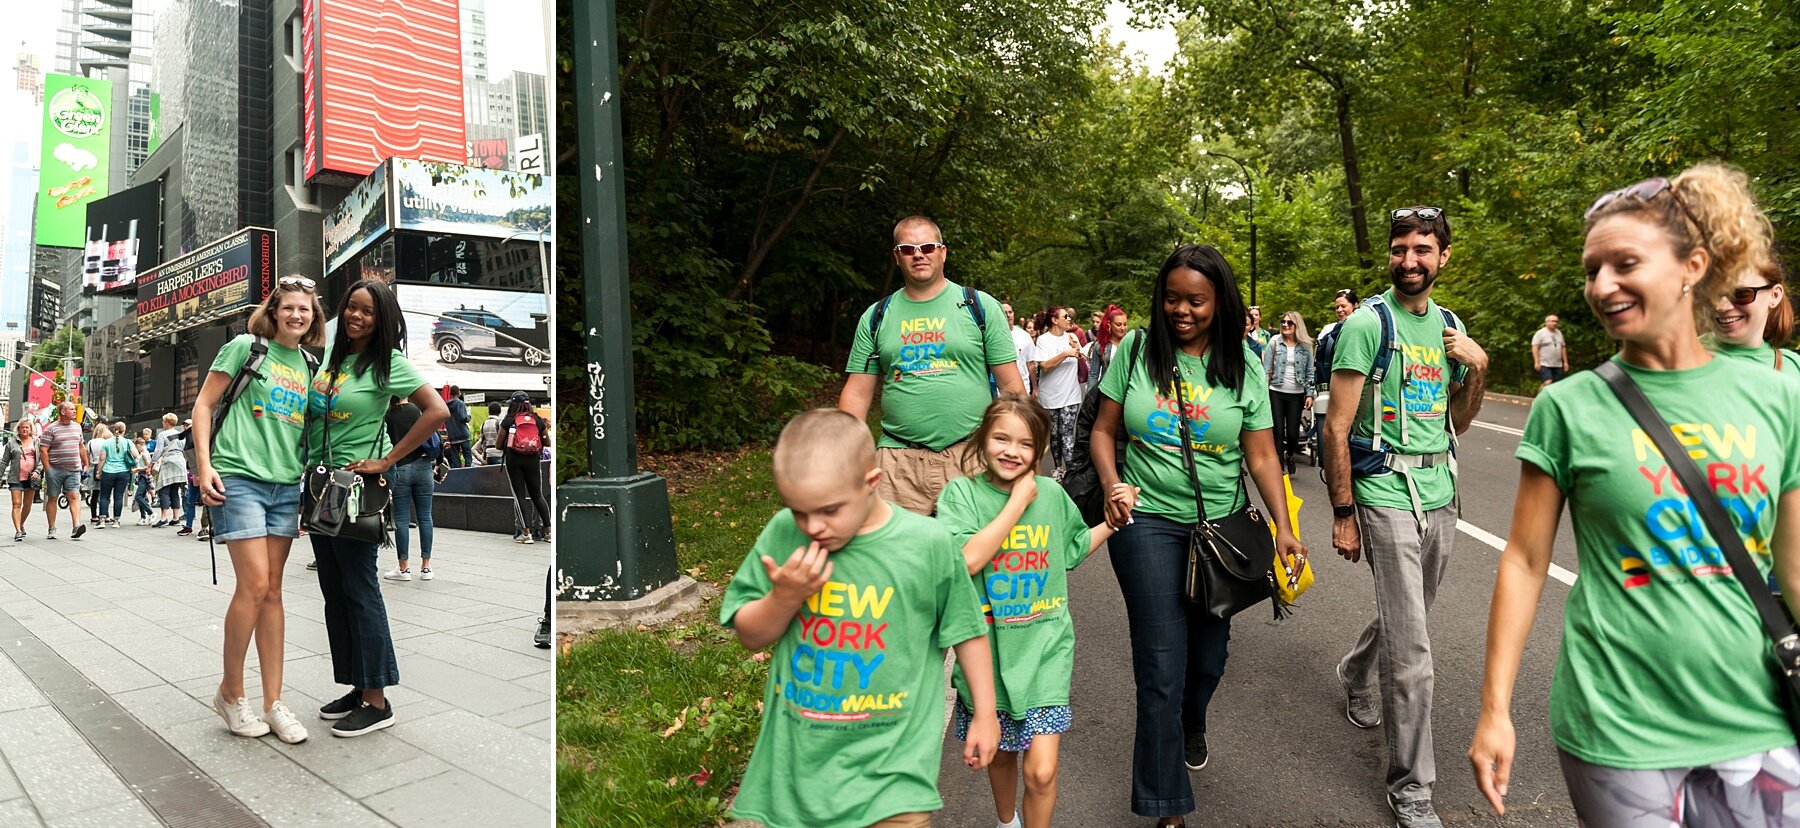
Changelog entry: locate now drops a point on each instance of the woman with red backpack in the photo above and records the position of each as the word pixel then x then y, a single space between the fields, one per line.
pixel 523 434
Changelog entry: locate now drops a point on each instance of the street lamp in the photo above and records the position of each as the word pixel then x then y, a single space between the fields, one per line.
pixel 1249 188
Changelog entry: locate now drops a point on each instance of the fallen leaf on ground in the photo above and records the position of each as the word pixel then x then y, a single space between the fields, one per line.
pixel 631 672
pixel 700 779
pixel 680 721
pixel 759 658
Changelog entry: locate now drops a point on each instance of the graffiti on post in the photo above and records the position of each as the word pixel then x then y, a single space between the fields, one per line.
pixel 597 399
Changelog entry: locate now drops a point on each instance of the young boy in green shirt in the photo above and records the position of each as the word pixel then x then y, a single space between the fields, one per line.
pixel 859 613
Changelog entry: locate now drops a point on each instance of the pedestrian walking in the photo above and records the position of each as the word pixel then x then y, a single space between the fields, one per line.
pixel 1108 334
pixel 1288 363
pixel 1191 362
pixel 929 347
pixel 1024 344
pixel 1547 351
pixel 491 453
pixel 1754 319
pixel 364 370
pixel 142 486
pixel 1664 707
pixel 64 456
pixel 523 434
pixel 1406 378
pixel 115 457
pixel 456 430
pixel 1026 590
pixel 19 462
pixel 169 462
pixel 1059 355
pixel 412 485
pixel 249 420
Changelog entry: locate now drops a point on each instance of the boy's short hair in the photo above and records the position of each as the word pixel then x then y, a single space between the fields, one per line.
pixel 824 438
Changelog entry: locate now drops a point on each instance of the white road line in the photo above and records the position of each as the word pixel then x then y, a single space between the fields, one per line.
pixel 1499 544
pixel 1500 428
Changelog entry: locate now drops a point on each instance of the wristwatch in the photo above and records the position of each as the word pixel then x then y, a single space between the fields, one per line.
pixel 1340 512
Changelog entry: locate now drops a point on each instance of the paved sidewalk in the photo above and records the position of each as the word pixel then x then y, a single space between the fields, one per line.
pixel 113 653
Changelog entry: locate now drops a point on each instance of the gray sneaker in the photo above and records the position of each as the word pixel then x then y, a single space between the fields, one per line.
pixel 1415 814
pixel 1364 711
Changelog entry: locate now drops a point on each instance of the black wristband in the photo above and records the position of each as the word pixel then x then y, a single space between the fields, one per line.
pixel 1339 512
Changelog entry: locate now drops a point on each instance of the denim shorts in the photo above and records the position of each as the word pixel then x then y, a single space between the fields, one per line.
pixel 58 481
pixel 254 509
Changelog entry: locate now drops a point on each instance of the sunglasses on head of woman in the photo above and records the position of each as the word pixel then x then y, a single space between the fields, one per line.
pixel 300 282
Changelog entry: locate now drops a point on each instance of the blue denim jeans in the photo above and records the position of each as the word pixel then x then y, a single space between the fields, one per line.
pixel 412 485
pixel 356 622
pixel 187 507
pixel 112 493
pixel 1177 656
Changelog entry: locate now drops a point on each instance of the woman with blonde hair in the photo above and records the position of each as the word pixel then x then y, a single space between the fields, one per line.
pixel 1664 707
pixel 18 457
pixel 1288 362
pixel 169 467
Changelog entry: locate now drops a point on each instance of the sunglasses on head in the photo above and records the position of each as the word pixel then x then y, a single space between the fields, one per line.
pixel 927 248
pixel 1745 295
pixel 1646 190
pixel 1425 213
pixel 301 281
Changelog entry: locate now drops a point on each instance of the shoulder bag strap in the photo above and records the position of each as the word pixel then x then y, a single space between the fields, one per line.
pixel 1187 449
pixel 1775 619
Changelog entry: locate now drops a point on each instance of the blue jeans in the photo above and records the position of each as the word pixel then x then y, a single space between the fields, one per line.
pixel 141 500
pixel 187 508
pixel 112 493
pixel 356 622
pixel 1177 656
pixel 412 485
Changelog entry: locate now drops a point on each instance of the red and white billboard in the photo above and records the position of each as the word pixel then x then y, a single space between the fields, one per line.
pixel 383 79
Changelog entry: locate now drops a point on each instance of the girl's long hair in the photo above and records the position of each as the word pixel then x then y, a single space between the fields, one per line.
pixel 1028 410
pixel 1225 334
pixel 389 333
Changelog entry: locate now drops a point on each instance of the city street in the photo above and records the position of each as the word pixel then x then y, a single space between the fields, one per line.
pixel 112 648
pixel 1282 753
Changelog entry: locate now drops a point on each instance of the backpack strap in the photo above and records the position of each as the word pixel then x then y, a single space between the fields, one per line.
pixel 880 312
pixel 1450 321
pixel 252 368
pixel 972 301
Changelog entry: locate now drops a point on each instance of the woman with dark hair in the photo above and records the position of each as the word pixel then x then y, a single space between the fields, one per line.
pixel 1059 385
pixel 1193 364
pixel 523 434
pixel 347 411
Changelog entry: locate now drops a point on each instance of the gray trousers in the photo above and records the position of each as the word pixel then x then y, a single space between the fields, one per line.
pixel 1395 649
pixel 1749 792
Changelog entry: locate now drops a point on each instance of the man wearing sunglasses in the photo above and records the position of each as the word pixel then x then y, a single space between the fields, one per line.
pixel 1390 466
pixel 930 347
pixel 1547 351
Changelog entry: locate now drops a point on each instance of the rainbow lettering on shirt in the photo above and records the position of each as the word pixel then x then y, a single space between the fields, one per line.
pixel 840 650
pixel 1017 578
pixel 921 345
pixel 1423 390
pixel 1726 456
pixel 286 394
pixel 1161 430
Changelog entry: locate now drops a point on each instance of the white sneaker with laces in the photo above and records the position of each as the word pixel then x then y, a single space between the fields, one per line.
pixel 239 716
pixel 285 725
pixel 398 575
pixel 425 574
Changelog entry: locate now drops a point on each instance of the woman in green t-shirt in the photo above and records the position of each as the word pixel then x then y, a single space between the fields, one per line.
pixel 249 475
pixel 1191 364
pixel 346 427
pixel 1664 707
pixel 1754 321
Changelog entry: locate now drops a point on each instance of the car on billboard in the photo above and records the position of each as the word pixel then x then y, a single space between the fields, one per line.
pixel 480 333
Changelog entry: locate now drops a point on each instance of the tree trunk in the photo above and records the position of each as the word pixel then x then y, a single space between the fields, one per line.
pixel 1353 179
pixel 762 250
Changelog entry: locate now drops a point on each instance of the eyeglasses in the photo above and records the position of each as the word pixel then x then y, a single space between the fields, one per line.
pixel 1646 190
pixel 1287 323
pixel 1426 213
pixel 927 248
pixel 1346 293
pixel 1744 296
pixel 302 281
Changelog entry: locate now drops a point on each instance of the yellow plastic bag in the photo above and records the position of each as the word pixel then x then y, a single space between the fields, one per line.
pixel 1289 584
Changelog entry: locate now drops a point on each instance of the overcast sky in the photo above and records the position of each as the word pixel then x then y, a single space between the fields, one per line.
pixel 1152 47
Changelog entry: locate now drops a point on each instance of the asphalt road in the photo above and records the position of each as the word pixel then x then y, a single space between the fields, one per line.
pixel 1282 753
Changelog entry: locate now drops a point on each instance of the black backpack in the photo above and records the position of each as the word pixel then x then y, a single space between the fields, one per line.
pixel 1080 479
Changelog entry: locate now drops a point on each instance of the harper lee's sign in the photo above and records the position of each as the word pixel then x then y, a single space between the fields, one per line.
pixel 230 274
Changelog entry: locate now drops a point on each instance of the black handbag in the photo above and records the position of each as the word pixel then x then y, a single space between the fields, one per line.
pixel 1082 479
pixel 340 503
pixel 1784 638
pixel 1230 561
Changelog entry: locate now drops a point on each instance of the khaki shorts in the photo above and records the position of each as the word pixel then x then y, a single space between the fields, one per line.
pixel 913 478
pixel 918 820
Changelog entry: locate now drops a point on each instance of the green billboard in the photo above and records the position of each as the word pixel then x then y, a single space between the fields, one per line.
pixel 73 168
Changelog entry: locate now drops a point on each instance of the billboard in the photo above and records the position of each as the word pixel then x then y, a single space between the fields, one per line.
pixel 383 78
pixel 73 166
pixel 454 200
pixel 481 340
pixel 529 156
pixel 490 153
pixel 360 219
pixel 219 279
pixel 42 394
pixel 124 232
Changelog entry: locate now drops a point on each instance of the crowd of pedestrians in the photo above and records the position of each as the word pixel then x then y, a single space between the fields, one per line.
pixel 1664 708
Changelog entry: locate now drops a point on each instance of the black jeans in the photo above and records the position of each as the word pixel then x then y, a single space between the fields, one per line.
pixel 356 622
pixel 527 479
pixel 1177 656
pixel 1288 439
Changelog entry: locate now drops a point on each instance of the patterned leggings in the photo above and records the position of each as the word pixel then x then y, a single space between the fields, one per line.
pixel 1062 434
pixel 1757 790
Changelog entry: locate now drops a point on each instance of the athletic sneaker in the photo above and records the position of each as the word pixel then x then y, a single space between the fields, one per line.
pixel 313 564
pixel 1195 750
pixel 159 524
pixel 522 537
pixel 50 535
pixel 425 574
pixel 18 536
pixel 529 540
pixel 542 639
pixel 79 531
pixel 186 530
pixel 1415 814
pixel 1364 711
pixel 284 724
pixel 342 706
pixel 239 716
pixel 398 575
pixel 366 718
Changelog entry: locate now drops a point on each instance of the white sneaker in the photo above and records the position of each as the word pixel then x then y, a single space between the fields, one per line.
pixel 398 575
pixel 239 716
pixel 285 725
pixel 528 540
pixel 425 574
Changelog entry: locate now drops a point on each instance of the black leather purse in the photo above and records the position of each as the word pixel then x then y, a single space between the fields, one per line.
pixel 340 503
pixel 1230 561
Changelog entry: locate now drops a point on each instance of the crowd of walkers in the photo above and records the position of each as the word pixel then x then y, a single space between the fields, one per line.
pixel 1668 706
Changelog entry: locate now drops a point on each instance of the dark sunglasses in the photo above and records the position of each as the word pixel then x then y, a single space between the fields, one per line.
pixel 1426 213
pixel 927 248
pixel 1287 323
pixel 1744 296
pixel 302 281
pixel 1646 190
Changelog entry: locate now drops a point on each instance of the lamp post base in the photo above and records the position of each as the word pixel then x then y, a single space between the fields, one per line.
pixel 614 539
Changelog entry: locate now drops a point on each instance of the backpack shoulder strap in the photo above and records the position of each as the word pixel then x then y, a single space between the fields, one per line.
pixel 972 299
pixel 1451 321
pixel 880 312
pixel 1385 352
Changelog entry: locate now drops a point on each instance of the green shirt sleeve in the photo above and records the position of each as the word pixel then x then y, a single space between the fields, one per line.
pixel 403 377
pixel 863 359
pixel 1113 382
pixel 1255 396
pixel 752 581
pixel 1546 440
pixel 959 607
pixel 231 357
pixel 998 338
pixel 957 512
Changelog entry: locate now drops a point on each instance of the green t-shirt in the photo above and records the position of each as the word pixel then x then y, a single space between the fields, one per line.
pixel 1664 663
pixel 854 706
pixel 358 408
pixel 1024 590
pixel 1417 387
pixel 1217 418
pixel 932 363
pixel 1763 354
pixel 261 436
